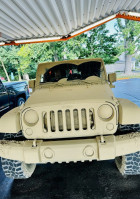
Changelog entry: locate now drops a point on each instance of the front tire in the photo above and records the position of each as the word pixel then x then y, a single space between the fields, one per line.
pixel 129 128
pixel 129 164
pixel 20 101
pixel 16 169
pixel 13 168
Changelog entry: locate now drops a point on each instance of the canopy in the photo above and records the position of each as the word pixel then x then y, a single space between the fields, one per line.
pixel 33 21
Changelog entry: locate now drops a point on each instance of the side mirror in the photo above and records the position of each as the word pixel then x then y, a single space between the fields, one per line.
pixel 32 84
pixel 112 78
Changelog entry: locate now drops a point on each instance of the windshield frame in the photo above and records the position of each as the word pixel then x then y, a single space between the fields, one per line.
pixel 46 66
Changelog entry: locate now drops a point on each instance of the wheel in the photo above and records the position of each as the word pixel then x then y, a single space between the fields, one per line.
pixel 16 169
pixel 129 128
pixel 20 101
pixel 13 168
pixel 129 164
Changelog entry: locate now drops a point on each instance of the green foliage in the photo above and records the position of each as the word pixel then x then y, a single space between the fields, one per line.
pixel 10 58
pixel 93 44
pixel 129 36
pixel 101 44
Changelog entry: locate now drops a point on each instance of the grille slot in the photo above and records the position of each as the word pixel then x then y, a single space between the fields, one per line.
pixel 76 119
pixel 91 117
pixel 52 121
pixel 69 120
pixel 45 122
pixel 60 121
pixel 84 118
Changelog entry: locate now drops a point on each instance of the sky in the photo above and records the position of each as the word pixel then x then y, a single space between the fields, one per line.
pixel 110 26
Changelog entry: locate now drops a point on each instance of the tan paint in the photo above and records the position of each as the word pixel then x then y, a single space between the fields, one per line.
pixel 71 150
pixel 129 113
pixel 47 65
pixel 10 122
pixel 53 94
pixel 100 126
pixel 70 109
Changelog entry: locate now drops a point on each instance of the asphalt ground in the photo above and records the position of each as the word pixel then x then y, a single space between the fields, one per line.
pixel 88 180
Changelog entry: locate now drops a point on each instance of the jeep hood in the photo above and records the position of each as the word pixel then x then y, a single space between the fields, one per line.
pixel 60 95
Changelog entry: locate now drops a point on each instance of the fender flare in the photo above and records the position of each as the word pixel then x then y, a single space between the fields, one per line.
pixel 129 113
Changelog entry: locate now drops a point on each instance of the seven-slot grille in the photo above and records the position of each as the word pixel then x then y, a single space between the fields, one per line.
pixel 69 120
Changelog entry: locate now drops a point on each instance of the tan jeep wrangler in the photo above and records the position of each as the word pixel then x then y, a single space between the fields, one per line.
pixel 72 115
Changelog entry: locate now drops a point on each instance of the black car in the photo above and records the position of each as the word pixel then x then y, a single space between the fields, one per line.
pixel 12 94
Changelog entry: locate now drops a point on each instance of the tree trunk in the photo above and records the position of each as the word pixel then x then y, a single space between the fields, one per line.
pixel 19 76
pixel 55 56
pixel 5 71
pixel 128 66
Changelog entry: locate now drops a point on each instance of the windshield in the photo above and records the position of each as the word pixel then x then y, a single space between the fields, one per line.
pixel 72 71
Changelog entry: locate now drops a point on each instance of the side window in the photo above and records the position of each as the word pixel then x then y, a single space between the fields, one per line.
pixel 1 87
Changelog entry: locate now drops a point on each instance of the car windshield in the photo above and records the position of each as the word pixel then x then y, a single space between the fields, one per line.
pixel 72 71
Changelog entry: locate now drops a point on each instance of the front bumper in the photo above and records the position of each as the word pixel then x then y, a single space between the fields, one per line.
pixel 70 150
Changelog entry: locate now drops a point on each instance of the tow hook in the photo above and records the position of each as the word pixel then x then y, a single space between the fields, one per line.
pixel 34 143
pixel 102 140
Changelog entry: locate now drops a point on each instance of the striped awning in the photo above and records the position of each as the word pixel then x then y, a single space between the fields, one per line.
pixel 33 21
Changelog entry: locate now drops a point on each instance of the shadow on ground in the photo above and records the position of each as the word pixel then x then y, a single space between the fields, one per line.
pixel 89 180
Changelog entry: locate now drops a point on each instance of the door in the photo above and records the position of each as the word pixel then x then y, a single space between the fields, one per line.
pixel 4 99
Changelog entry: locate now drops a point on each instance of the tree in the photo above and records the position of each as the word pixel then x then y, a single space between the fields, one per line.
pixel 101 44
pixel 95 43
pixel 129 34
pixel 5 70
pixel 10 60
pixel 31 55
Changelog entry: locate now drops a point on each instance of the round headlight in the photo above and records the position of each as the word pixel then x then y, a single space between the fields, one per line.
pixel 105 112
pixel 31 117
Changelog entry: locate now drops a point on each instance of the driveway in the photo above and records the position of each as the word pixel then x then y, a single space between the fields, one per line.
pixel 88 180
pixel 128 89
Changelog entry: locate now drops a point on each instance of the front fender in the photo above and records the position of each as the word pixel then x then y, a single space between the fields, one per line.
pixel 129 113
pixel 10 122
